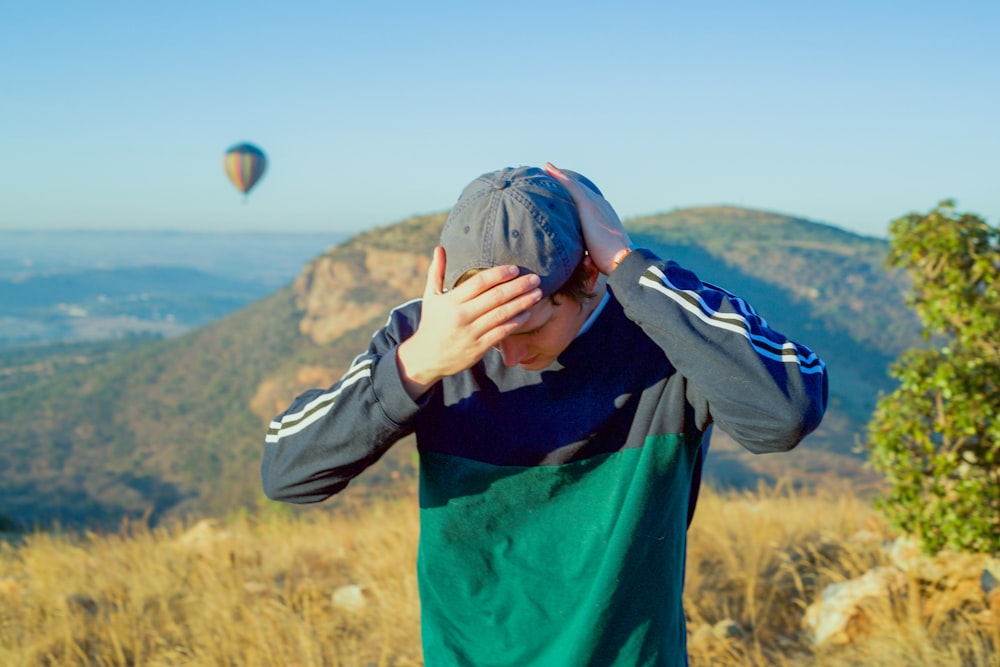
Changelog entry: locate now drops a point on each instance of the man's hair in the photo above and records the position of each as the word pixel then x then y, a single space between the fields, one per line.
pixel 575 288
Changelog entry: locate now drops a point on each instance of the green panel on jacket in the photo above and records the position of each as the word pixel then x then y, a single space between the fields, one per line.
pixel 553 566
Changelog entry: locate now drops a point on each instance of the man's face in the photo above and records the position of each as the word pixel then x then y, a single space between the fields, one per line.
pixel 549 331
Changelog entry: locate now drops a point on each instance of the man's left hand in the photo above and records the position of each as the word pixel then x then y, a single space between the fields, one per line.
pixel 606 239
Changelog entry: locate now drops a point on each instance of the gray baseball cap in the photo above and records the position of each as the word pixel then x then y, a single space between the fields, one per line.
pixel 520 216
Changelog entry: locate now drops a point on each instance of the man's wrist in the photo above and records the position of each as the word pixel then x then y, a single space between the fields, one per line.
pixel 415 382
pixel 620 256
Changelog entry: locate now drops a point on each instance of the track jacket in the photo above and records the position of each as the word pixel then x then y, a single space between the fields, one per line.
pixel 554 504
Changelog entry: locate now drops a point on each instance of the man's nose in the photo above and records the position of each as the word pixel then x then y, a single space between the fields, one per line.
pixel 512 350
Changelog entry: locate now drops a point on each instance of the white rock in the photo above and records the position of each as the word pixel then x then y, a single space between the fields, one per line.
pixel 829 618
pixel 351 597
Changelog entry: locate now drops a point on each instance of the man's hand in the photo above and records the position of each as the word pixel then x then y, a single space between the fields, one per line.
pixel 603 233
pixel 459 326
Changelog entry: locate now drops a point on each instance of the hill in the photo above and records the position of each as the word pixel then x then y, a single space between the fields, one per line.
pixel 91 433
pixel 819 285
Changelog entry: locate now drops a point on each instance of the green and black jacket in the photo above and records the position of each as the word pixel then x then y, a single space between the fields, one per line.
pixel 554 504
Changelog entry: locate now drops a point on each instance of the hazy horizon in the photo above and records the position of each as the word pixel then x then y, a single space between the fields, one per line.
pixel 346 234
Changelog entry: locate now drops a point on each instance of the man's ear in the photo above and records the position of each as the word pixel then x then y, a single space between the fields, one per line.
pixel 593 273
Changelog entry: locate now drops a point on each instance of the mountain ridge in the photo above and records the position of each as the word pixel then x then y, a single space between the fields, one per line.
pixel 174 427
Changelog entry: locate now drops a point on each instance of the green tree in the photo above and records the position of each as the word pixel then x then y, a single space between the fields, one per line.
pixel 936 438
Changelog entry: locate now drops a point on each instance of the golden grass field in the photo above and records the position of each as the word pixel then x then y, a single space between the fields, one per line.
pixel 265 590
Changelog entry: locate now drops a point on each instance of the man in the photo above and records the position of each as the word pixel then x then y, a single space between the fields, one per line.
pixel 559 382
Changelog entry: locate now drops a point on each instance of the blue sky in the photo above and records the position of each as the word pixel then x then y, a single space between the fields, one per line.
pixel 115 115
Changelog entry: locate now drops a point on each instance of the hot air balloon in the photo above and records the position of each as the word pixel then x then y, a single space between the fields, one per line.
pixel 244 165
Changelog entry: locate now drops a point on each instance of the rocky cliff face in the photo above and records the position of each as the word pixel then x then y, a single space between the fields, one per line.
pixel 337 295
pixel 353 285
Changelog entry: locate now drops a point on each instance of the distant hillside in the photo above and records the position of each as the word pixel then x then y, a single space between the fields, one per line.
pixel 89 433
pixel 86 285
pixel 818 284
pixel 110 303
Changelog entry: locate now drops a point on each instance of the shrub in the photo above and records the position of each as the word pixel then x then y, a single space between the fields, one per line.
pixel 936 438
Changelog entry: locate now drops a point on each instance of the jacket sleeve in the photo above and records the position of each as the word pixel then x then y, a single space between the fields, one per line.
pixel 764 390
pixel 329 436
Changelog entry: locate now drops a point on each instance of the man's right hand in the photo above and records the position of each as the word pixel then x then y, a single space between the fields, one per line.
pixel 459 326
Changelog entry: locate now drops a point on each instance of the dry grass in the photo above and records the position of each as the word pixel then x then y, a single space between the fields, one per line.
pixel 760 559
pixel 259 590
pixel 252 591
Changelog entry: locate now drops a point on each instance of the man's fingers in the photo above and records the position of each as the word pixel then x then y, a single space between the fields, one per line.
pixel 486 280
pixel 517 292
pixel 492 287
pixel 572 186
pixel 557 173
pixel 577 191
